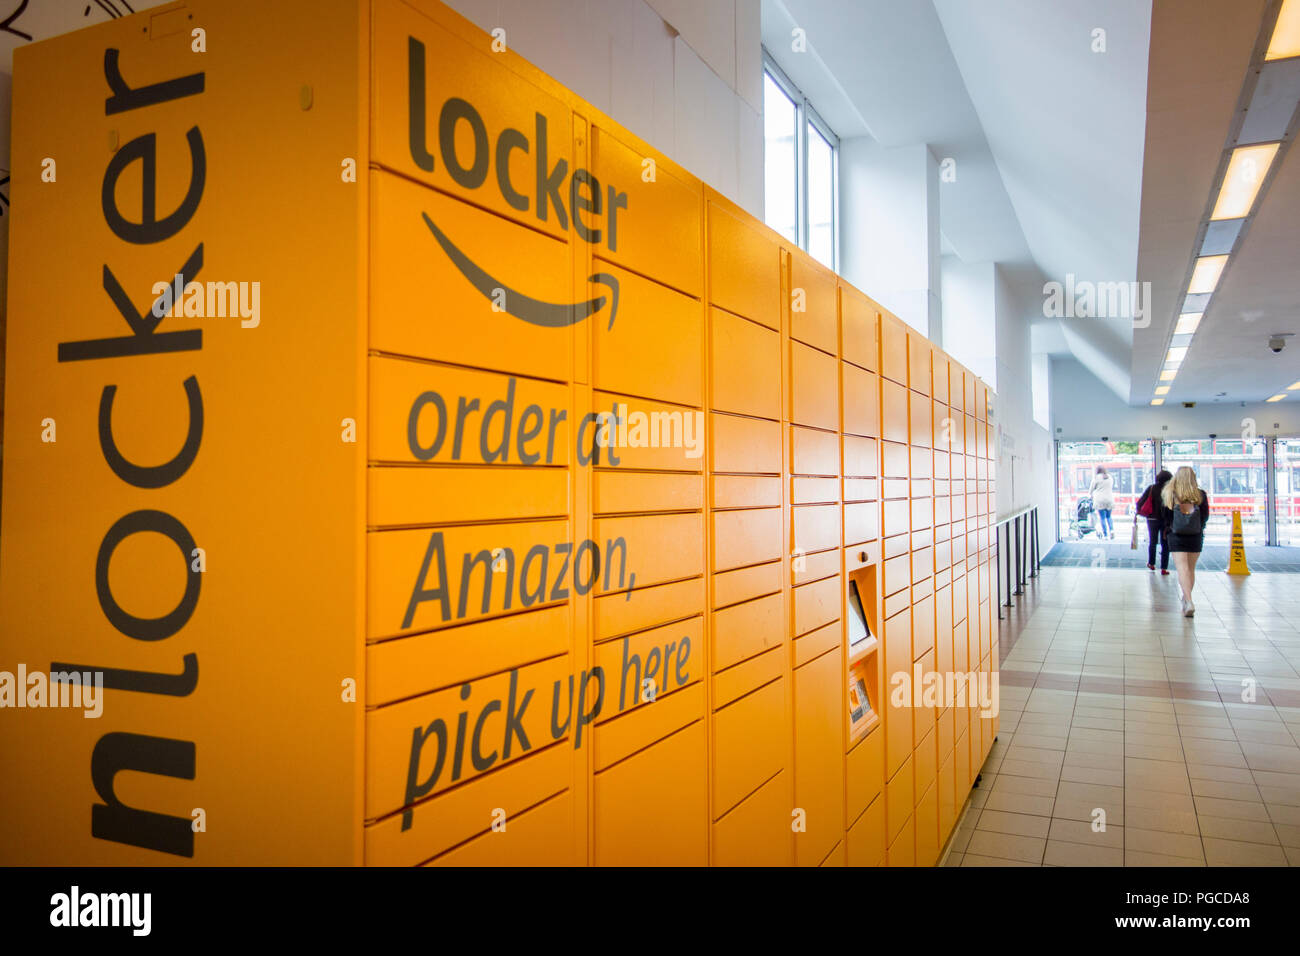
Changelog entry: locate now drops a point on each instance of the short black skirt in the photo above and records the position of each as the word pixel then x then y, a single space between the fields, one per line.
pixel 1186 542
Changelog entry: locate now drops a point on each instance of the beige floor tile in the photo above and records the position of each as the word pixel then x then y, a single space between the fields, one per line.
pixel 1281 813
pixel 1077 831
pixel 1223 790
pixel 1140 858
pixel 1169 821
pixel 1075 774
pixel 1162 841
pixel 974 859
pixel 1019 803
pixel 1077 854
pixel 1026 768
pixel 1035 786
pixel 1008 846
pixel 1288 834
pixel 1243 831
pixel 1099 794
pixel 1075 758
pixel 1232 809
pixel 1233 853
pixel 1018 824
pixel 1203 771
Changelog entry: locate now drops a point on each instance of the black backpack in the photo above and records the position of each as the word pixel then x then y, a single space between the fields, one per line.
pixel 1187 523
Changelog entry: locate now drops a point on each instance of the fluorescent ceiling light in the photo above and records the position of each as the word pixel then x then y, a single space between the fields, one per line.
pixel 1167 375
pixel 1162 389
pixel 1246 171
pixel 1292 388
pixel 1206 274
pixel 1286 33
pixel 1276 398
pixel 1187 323
pixel 1176 356
pixel 1157 401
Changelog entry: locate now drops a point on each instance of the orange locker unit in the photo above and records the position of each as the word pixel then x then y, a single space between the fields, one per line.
pixel 609 528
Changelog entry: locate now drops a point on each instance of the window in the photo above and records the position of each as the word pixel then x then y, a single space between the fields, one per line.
pixel 801 168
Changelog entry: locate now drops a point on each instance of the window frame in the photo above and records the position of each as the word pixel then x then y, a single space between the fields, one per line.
pixel 805 116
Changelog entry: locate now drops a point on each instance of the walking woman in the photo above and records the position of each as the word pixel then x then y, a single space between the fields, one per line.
pixel 1186 513
pixel 1103 499
pixel 1152 508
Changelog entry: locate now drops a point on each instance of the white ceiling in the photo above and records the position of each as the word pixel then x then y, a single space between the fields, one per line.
pixel 1199 66
pixel 1066 124
pixel 1048 136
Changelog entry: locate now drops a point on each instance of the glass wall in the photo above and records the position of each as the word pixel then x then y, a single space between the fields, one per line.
pixel 1232 474
pixel 780 159
pixel 1131 468
pixel 800 167
pixel 1286 473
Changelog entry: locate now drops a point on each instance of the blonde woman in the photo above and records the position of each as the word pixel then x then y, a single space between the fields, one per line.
pixel 1186 513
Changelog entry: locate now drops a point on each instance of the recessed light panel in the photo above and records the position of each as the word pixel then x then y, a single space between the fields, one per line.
pixel 1187 323
pixel 1206 274
pixel 1157 401
pixel 1162 389
pixel 1246 171
pixel 1168 374
pixel 1276 398
pixel 1286 32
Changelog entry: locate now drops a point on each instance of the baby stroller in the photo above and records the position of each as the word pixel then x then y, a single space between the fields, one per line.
pixel 1082 523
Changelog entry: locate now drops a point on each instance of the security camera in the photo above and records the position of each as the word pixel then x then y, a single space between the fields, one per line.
pixel 1213 436
pixel 1277 343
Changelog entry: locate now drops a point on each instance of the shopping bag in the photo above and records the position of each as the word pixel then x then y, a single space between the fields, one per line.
pixel 1134 543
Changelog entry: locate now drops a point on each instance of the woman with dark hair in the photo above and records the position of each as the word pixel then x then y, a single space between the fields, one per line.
pixel 1151 507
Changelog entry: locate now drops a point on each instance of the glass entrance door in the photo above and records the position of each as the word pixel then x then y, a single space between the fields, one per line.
pixel 1131 468
pixel 1232 474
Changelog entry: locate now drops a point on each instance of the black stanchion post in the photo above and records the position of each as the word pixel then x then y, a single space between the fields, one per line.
pixel 1008 527
pixel 1036 559
pixel 1019 589
pixel 997 566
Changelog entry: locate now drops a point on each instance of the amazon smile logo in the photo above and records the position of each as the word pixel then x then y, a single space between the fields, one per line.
pixel 553 315
pixel 577 200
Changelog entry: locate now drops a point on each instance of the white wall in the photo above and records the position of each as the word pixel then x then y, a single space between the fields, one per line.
pixel 889 228
pixel 685 76
pixel 969 316
pixel 1026 474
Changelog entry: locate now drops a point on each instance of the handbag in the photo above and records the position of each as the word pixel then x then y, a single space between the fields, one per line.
pixel 1187 522
pixel 1146 506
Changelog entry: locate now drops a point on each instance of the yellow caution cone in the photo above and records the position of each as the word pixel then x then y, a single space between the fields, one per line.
pixel 1237 557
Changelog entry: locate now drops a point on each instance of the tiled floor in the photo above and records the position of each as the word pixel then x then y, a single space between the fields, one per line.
pixel 1115 709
